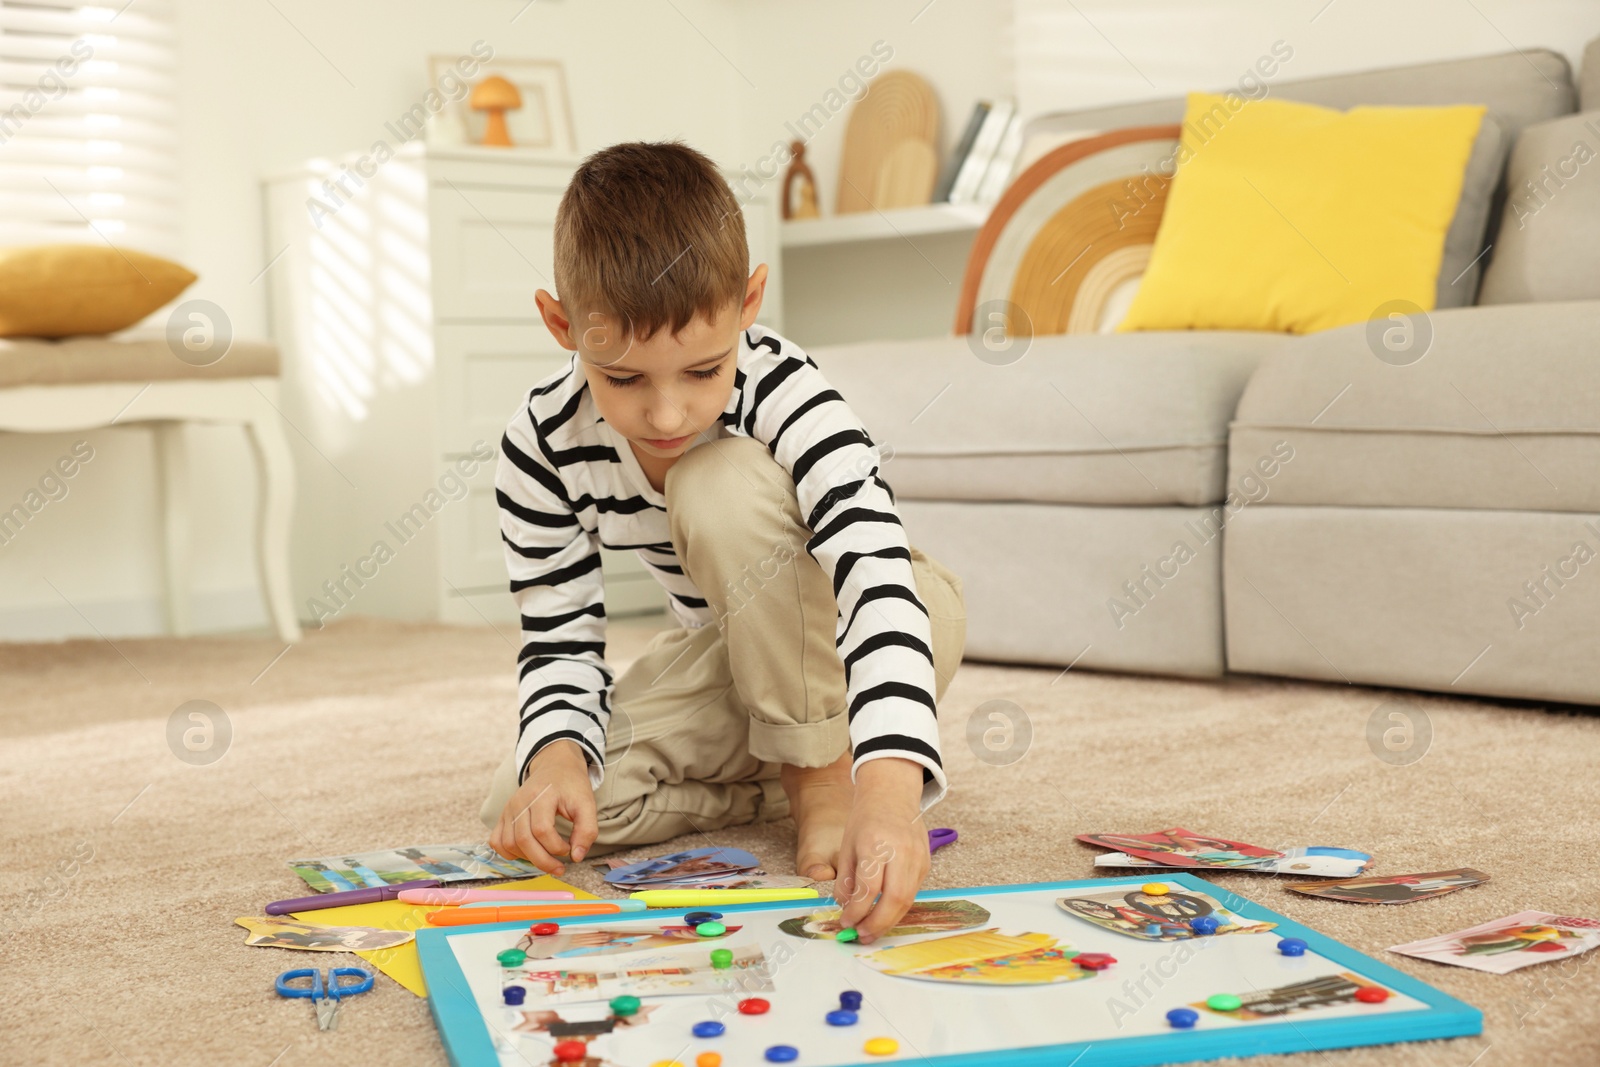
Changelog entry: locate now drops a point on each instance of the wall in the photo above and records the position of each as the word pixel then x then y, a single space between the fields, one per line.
pixel 267 86
pixel 1103 51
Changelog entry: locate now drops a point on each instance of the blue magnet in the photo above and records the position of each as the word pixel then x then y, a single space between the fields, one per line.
pixel 782 1053
pixel 841 1018
pixel 1292 946
pixel 1204 925
pixel 1182 1018
pixel 695 918
pixel 514 994
pixel 709 1028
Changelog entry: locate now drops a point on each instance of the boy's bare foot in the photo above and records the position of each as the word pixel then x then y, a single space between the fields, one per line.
pixel 819 800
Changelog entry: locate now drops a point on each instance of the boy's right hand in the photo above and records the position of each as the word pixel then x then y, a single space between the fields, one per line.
pixel 557 784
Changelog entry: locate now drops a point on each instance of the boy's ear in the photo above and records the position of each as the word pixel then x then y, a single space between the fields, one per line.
pixel 556 319
pixel 754 291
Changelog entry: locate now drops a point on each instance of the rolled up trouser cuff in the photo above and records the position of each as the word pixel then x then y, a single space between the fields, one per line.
pixel 801 744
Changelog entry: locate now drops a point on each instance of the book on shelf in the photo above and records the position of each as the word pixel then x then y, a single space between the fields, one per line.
pixel 999 173
pixel 984 146
pixel 958 156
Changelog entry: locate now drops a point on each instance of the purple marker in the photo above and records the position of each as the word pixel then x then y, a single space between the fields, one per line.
pixel 349 896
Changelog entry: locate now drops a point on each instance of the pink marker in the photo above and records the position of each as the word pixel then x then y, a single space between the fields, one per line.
pixel 446 896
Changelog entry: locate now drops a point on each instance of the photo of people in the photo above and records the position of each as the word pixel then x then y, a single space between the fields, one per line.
pixel 1155 918
pixel 699 864
pixel 660 974
pixel 602 940
pixel 414 863
pixel 1178 847
pixel 923 917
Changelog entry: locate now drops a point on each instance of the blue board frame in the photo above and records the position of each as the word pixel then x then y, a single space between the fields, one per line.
pixel 467 1042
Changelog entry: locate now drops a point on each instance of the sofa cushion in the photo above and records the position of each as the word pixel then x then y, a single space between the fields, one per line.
pixel 1500 410
pixel 1296 217
pixel 1078 419
pixel 1548 244
pixel 122 358
pixel 1518 88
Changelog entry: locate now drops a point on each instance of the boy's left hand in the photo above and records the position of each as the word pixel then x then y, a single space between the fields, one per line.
pixel 884 855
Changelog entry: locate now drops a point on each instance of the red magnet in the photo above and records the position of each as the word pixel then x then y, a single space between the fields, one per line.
pixel 1094 961
pixel 1371 994
pixel 571 1051
pixel 753 1006
pixel 541 929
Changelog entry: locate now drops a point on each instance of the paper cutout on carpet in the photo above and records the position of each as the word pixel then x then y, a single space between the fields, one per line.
pixel 414 863
pixel 1394 888
pixel 1314 861
pixel 1509 944
pixel 692 867
pixel 275 931
pixel 1178 847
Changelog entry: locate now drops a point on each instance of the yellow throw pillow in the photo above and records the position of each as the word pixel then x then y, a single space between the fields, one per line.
pixel 1293 217
pixel 66 289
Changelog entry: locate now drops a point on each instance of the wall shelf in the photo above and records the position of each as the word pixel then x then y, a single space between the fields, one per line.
pixel 876 225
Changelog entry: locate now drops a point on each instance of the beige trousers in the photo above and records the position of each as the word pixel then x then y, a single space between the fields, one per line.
pixel 703 720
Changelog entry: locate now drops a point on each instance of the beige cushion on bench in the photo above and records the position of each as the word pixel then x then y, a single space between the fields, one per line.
pixel 1502 412
pixel 119 358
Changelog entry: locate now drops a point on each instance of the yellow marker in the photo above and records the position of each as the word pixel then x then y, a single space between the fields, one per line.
pixel 882 1046
pixel 1154 889
pixel 708 1059
pixel 710 898
pixel 666 1063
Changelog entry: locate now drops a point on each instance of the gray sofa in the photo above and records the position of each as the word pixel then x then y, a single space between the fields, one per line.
pixel 1189 503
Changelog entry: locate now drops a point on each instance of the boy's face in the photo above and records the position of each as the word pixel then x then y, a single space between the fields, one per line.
pixel 663 393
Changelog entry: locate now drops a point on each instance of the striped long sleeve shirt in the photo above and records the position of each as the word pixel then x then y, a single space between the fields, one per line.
pixel 568 484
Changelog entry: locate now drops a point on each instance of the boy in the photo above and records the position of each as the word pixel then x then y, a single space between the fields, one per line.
pixel 716 450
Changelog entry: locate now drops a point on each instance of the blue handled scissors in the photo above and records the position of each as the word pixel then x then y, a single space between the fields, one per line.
pixel 325 998
pixel 941 837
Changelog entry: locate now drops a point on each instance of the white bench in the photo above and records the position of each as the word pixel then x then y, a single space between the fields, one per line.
pixel 84 383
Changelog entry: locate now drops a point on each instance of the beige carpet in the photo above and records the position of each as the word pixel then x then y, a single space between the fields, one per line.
pixel 375 734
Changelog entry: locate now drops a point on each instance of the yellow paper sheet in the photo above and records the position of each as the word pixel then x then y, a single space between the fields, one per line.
pixel 400 962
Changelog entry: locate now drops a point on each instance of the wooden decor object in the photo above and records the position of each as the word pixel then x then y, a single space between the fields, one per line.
pixel 890 156
pixel 799 186
pixel 1071 236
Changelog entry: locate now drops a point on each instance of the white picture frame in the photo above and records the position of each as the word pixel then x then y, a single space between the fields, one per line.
pixel 542 125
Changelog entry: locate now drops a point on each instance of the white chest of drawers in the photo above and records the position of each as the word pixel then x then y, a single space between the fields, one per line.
pixel 401 295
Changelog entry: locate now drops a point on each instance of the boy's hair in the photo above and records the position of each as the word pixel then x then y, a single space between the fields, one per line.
pixel 649 234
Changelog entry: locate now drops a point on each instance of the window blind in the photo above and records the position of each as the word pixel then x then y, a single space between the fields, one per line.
pixel 88 124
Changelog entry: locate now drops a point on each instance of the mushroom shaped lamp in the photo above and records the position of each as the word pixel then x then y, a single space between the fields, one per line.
pixel 494 96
